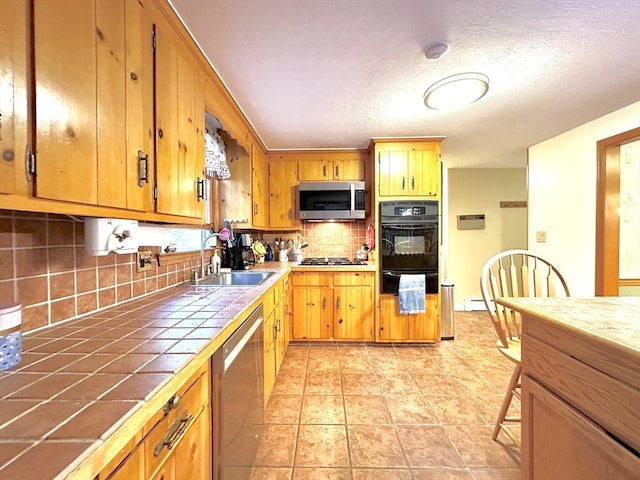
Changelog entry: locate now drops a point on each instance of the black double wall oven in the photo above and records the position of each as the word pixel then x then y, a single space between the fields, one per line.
pixel 409 243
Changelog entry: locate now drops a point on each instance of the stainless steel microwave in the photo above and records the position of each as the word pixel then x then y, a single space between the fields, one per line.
pixel 331 201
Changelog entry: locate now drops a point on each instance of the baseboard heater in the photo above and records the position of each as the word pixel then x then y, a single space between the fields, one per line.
pixel 473 304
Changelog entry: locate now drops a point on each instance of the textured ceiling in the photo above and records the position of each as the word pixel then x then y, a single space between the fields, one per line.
pixel 335 73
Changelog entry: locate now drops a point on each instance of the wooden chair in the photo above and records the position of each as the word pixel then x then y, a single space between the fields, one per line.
pixel 515 273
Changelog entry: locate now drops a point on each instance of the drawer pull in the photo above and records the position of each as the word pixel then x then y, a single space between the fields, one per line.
pixel 174 432
pixel 172 403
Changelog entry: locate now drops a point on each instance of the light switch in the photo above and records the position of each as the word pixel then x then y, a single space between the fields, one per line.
pixel 541 237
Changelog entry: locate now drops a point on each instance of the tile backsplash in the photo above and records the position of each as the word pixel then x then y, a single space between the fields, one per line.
pixel 44 267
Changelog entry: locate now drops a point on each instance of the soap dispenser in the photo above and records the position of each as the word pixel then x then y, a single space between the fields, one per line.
pixel 215 262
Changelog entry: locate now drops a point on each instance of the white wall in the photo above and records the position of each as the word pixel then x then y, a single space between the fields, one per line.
pixel 475 191
pixel 562 196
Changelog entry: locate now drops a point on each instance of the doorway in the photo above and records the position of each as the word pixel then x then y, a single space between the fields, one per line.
pixel 617 213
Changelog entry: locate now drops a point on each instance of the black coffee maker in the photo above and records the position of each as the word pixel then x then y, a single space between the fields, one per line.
pixel 233 257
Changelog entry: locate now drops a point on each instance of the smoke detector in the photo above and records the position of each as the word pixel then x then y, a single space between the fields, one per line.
pixel 436 51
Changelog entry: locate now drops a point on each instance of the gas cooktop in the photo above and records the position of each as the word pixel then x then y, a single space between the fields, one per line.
pixel 331 261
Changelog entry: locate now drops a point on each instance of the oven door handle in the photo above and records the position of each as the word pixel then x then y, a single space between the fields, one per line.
pixel 396 226
pixel 397 273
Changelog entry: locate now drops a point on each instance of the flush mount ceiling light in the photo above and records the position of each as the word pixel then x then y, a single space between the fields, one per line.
pixel 456 91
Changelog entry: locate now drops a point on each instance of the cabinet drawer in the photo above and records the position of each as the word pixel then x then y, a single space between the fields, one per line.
pixel 609 402
pixel 316 279
pixel 347 279
pixel 187 402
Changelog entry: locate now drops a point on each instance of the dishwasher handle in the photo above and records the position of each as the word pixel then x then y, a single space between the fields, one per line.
pixel 226 354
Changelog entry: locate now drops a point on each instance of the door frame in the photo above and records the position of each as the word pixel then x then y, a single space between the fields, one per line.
pixel 607 211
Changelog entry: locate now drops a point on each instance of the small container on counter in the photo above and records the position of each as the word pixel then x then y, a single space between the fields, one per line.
pixel 296 255
pixel 10 335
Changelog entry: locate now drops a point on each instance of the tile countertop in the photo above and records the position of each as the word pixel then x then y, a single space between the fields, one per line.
pixel 80 381
pixel 601 331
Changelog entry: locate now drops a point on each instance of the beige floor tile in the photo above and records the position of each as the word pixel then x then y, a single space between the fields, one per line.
pixel 289 383
pixel 353 364
pixel 322 446
pixel 360 384
pixel 322 409
pixel 375 446
pixel 496 473
pixel 411 409
pixel 277 446
pixel 455 411
pixel 441 474
pixel 366 410
pixel 428 446
pixel 283 409
pixel 382 474
pixel 478 450
pixel 266 473
pixel 322 474
pixel 412 412
pixel 323 383
pixel 397 383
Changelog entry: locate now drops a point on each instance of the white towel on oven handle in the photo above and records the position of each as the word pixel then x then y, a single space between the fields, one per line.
pixel 411 294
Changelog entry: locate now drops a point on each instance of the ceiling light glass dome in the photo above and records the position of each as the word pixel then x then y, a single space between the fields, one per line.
pixel 456 91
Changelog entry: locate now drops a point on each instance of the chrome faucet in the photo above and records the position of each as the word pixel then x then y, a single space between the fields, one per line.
pixel 204 269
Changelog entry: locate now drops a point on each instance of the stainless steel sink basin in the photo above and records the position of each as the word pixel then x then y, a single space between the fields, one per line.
pixel 233 279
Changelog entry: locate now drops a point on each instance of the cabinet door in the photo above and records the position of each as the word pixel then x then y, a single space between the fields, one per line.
pixel 179 111
pixel 139 105
pixel 128 463
pixel 13 103
pixel 312 313
pixel 353 316
pixel 281 339
pixel 283 181
pixel 166 472
pixel 393 170
pixel 269 336
pixel 395 326
pixel 424 173
pixel 348 170
pixel 111 103
pixel 193 454
pixel 314 170
pixel 64 34
pixel 562 443
pixel 260 181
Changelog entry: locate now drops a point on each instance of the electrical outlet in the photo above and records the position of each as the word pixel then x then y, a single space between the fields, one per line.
pixel 144 260
pixel 541 237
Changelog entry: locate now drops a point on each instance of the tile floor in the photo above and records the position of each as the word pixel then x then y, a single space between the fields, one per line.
pixel 376 412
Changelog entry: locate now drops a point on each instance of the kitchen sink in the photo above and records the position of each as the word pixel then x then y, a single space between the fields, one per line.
pixel 232 279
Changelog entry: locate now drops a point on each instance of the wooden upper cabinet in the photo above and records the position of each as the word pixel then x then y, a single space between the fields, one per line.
pixel 13 91
pixel 94 117
pixel 260 187
pixel 179 126
pixel 138 75
pixel 66 100
pixel 319 166
pixel 411 169
pixel 283 181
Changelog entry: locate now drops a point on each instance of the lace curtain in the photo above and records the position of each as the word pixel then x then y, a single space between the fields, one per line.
pixel 215 156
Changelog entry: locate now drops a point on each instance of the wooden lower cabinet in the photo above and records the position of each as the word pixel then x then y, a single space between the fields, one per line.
pixel 175 444
pixel 563 443
pixel 396 327
pixel 332 306
pixel 276 332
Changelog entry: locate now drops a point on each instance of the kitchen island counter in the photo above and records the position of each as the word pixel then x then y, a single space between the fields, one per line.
pixel 580 387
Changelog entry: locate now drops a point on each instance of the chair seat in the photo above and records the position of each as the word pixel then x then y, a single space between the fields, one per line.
pixel 513 352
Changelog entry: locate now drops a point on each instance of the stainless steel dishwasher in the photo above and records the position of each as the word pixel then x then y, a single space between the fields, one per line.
pixel 238 400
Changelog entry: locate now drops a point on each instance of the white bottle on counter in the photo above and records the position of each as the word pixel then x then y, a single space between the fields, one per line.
pixel 215 262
